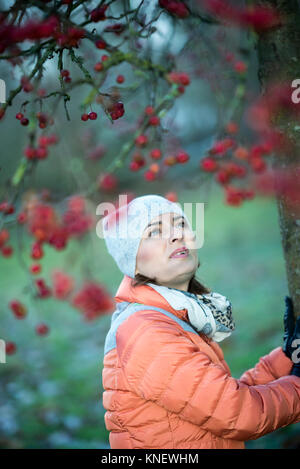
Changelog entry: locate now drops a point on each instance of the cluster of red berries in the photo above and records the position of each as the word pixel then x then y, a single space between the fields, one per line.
pixel 6 208
pixel 23 120
pixel 32 30
pixel 70 38
pixel 175 7
pixel 235 196
pixel 65 74
pixel 91 115
pixel 20 312
pixel 41 152
pixel 117 110
pixel 18 308
pixel 180 78
pixel 43 119
pixel 98 14
pixel 43 290
pixel 63 284
pixel 107 182
pixel 45 225
pixel 26 85
pixel 6 250
pixel 98 67
pixel 225 171
pixel 116 28
pixel 153 119
pixel 93 301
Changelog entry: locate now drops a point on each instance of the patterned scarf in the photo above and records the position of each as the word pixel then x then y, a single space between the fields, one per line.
pixel 209 313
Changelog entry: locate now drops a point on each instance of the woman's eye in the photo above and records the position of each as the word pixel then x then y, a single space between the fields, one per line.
pixel 154 231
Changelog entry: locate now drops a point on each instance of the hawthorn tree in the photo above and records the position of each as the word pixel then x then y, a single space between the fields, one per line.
pixel 97 39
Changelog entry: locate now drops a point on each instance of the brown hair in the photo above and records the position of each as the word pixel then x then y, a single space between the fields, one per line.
pixel 194 285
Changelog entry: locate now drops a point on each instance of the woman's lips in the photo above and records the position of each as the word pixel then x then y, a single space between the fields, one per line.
pixel 178 255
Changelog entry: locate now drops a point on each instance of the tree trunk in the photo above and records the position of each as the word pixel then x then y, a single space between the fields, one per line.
pixel 279 58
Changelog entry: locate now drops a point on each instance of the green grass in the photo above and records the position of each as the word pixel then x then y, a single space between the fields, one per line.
pixel 54 380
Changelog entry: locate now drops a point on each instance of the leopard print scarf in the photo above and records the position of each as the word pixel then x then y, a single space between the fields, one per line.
pixel 209 313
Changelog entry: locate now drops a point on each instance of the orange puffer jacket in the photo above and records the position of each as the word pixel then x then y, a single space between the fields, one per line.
pixel 167 386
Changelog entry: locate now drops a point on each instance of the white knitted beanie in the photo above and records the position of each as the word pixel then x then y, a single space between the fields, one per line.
pixel 123 228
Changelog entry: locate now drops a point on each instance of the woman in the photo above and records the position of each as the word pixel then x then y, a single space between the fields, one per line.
pixel 166 383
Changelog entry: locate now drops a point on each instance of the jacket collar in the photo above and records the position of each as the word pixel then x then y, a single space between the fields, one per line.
pixel 146 295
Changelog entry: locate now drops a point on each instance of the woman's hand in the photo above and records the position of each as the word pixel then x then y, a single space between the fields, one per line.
pixel 291 333
pixel 291 329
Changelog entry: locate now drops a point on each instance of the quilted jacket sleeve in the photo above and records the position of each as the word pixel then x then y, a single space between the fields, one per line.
pixel 270 367
pixel 161 364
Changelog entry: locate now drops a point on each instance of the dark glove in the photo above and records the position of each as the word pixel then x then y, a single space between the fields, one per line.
pixel 289 327
pixel 291 333
pixel 296 370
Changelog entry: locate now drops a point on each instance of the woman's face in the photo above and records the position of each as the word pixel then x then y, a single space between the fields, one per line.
pixel 165 234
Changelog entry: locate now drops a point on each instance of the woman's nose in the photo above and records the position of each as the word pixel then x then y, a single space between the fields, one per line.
pixel 176 233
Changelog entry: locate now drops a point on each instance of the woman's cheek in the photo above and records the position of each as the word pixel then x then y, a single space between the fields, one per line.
pixel 146 255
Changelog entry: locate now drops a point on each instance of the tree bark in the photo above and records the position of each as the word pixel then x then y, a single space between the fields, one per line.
pixel 279 58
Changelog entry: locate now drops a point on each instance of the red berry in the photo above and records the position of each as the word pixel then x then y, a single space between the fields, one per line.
pixel 134 166
pixel 35 268
pixel 24 121
pixel 170 160
pixel 7 251
pixel 104 57
pixel 100 44
pixel 149 175
pixel 222 177
pixel 240 66
pixel 154 120
pixel 120 79
pixel 41 152
pixel 107 182
pixel 36 251
pixel 232 127
pixel 141 140
pixel 64 73
pixel 42 329
pixel 18 309
pixel 92 116
pixel 208 164
pixel 10 348
pixel 30 153
pixel 22 217
pixel 233 196
pixel 98 14
pixel 182 157
pixel 155 154
pixel 85 117
pixel 98 67
pixel 149 110
pixel 43 141
pixel 258 164
pixel 7 208
pixel 171 196
pixel 19 115
pixel 4 236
